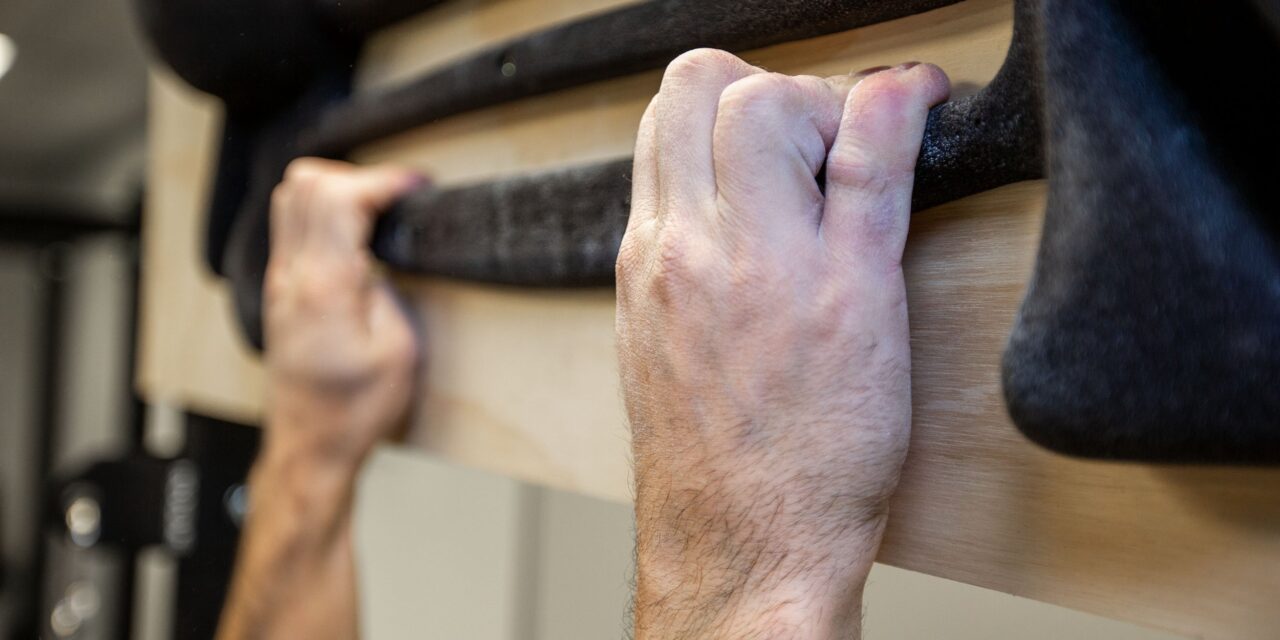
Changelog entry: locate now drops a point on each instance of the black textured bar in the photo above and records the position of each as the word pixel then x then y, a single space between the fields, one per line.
pixel 993 138
pixel 563 228
pixel 558 229
pixel 639 38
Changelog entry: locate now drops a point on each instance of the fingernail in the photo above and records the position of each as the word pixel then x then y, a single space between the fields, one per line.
pixel 907 65
pixel 416 181
pixel 870 70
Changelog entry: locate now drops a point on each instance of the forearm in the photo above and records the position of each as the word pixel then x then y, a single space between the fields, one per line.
pixel 295 571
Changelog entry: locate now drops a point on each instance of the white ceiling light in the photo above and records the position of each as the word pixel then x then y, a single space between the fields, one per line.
pixel 8 51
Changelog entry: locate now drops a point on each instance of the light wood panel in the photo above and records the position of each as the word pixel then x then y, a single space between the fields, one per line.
pixel 189 351
pixel 524 383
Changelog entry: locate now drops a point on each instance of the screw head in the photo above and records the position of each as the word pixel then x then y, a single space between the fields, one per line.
pixel 84 521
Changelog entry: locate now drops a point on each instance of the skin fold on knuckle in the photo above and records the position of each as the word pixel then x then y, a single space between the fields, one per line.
pixel 277 284
pixel 673 271
pixel 854 165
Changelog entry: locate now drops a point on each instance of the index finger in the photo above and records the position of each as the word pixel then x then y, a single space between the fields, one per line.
pixel 345 204
pixel 685 116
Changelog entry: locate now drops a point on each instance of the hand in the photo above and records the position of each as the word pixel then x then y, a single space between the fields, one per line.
pixel 340 351
pixel 340 361
pixel 763 343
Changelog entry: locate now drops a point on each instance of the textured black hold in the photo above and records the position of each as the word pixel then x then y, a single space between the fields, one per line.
pixel 641 37
pixel 1151 327
pixel 557 229
pixel 990 139
pixel 610 45
pixel 563 228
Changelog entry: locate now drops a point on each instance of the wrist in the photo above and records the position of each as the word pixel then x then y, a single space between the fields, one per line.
pixel 318 431
pixel 706 606
pixel 696 585
pixel 298 465
pixel 290 484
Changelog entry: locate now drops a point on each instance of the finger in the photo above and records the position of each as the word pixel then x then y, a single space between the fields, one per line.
pixel 871 167
pixel 377 188
pixel 286 231
pixel 772 133
pixel 290 202
pixel 685 115
pixel 345 204
pixel 644 172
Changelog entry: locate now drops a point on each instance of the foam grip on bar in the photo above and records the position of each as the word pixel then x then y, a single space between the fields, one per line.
pixel 559 229
pixel 638 38
pixel 563 228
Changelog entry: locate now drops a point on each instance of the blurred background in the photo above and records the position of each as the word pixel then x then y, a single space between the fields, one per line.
pixel 73 82
pixel 119 520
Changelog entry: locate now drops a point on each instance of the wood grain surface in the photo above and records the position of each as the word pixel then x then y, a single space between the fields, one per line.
pixel 524 383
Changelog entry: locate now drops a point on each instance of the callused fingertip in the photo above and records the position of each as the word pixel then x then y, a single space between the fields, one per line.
pixel 415 180
pixel 410 180
pixel 935 80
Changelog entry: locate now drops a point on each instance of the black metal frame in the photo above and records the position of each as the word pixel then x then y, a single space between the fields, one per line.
pixel 52 232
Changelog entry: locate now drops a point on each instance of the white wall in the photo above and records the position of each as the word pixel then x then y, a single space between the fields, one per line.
pixel 448 553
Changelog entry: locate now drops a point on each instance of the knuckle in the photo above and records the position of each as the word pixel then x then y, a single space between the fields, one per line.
pixel 311 289
pixel 761 97
pixel 883 90
pixel 850 166
pixel 674 268
pixel 347 272
pixel 630 259
pixel 700 65
pixel 302 169
pixel 672 254
pixel 276 283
